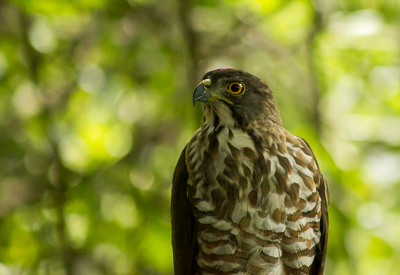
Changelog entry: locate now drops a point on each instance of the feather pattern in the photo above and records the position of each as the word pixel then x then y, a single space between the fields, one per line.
pixel 248 196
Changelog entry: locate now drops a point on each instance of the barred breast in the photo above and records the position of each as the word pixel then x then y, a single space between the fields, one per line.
pixel 254 196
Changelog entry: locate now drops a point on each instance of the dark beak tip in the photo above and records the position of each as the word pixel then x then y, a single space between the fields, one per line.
pixel 199 94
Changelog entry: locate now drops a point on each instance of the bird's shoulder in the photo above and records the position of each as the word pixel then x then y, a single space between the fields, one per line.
pixel 311 163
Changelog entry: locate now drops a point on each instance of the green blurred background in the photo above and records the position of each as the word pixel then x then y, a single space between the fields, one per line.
pixel 95 107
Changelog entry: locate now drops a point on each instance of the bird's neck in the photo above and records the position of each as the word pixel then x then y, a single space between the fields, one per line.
pixel 216 115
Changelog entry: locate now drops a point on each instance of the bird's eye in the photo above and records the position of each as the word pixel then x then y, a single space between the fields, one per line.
pixel 235 88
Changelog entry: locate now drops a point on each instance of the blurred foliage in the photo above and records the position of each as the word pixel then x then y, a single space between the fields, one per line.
pixel 95 107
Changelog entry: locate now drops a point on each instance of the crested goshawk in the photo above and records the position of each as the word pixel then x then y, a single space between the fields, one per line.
pixel 248 196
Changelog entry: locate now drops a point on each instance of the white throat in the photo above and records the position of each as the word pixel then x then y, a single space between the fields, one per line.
pixel 223 113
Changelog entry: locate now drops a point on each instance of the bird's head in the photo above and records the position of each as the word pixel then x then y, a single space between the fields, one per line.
pixel 236 97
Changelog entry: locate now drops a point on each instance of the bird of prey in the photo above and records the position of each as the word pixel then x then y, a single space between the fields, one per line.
pixel 248 196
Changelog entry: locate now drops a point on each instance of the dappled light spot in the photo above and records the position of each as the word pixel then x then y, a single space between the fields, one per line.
pixel 381 169
pixel 370 215
pixel 5 270
pixel 27 100
pixel 41 36
pixel 118 140
pixel 389 228
pixel 110 256
pixel 345 154
pixel 94 141
pixel 371 127
pixel 141 179
pixel 132 107
pixel 291 22
pixel 74 153
pixel 120 209
pixel 77 228
pixel 93 134
pixel 360 23
pixel 385 80
pixel 92 78
pixel 256 6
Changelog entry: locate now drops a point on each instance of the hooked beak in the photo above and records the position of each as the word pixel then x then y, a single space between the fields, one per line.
pixel 200 92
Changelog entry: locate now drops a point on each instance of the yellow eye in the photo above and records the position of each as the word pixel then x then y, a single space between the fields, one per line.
pixel 235 88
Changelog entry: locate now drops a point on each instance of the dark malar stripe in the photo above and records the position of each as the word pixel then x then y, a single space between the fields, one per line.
pixel 239 120
pixel 218 129
pixel 216 120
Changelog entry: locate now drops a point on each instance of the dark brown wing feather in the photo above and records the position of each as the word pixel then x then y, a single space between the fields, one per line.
pixel 318 265
pixel 317 268
pixel 184 228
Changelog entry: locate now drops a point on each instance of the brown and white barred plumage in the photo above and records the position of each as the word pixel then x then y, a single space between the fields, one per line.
pixel 248 196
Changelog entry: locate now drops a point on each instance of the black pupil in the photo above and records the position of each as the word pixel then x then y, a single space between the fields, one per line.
pixel 235 88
